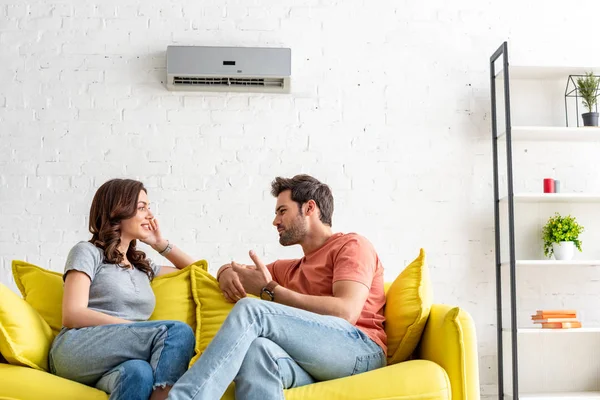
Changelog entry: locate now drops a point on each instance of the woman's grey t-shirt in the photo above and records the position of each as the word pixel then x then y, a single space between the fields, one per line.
pixel 120 292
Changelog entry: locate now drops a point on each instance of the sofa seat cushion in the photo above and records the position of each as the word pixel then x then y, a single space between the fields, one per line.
pixel 409 380
pixel 417 379
pixel 23 383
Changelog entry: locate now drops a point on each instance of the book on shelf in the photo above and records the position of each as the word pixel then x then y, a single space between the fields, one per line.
pixel 556 319
pixel 561 325
pixel 546 316
pixel 549 320
pixel 555 313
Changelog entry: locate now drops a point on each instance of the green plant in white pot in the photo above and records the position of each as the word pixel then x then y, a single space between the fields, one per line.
pixel 561 237
pixel 588 88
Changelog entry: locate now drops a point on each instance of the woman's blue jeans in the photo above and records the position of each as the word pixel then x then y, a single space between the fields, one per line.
pixel 126 360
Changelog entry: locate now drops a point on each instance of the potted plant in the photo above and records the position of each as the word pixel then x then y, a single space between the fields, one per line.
pixel 588 86
pixel 561 236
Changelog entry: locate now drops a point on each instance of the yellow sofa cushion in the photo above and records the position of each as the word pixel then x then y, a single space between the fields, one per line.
pixel 410 380
pixel 43 290
pixel 21 383
pixel 25 338
pixel 408 302
pixel 211 308
pixel 174 296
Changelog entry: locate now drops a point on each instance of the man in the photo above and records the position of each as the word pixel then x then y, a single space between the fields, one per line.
pixel 320 317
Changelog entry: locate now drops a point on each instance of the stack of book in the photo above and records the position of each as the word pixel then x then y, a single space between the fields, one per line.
pixel 556 319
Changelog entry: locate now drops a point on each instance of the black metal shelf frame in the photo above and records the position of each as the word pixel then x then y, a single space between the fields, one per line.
pixel 503 52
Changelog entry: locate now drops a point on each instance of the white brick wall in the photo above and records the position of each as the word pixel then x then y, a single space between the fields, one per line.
pixel 390 106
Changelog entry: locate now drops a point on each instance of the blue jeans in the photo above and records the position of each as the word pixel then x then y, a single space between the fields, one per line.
pixel 126 360
pixel 133 379
pixel 267 347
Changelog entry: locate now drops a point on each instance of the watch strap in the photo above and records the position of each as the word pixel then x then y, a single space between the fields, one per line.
pixel 271 286
pixel 269 291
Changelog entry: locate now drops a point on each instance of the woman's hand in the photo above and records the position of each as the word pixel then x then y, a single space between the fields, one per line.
pixel 175 255
pixel 155 238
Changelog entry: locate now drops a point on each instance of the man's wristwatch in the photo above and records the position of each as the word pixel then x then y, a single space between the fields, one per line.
pixel 268 292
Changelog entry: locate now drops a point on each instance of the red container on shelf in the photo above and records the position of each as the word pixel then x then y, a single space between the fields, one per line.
pixel 548 185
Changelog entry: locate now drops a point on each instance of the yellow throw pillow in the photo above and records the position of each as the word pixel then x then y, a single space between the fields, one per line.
pixel 408 302
pixel 25 338
pixel 42 289
pixel 211 309
pixel 174 299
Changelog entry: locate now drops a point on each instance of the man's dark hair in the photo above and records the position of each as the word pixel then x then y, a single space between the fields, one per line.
pixel 305 188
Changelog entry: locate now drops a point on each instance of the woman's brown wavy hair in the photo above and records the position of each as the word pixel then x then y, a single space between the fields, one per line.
pixel 115 201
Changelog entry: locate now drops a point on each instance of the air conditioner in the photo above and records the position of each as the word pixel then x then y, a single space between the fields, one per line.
pixel 229 69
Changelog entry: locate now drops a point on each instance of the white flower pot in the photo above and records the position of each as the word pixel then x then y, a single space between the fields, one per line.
pixel 563 250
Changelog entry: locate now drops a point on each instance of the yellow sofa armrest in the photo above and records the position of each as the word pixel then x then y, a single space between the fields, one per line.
pixel 449 340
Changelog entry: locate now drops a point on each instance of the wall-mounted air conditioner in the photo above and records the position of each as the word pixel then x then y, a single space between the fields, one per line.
pixel 229 69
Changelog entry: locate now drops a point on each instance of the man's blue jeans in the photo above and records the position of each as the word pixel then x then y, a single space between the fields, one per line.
pixel 266 347
pixel 126 360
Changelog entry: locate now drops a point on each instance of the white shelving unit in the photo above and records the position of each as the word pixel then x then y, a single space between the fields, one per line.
pixel 550 263
pixel 560 395
pixel 552 134
pixel 539 331
pixel 556 361
pixel 551 363
pixel 537 72
pixel 554 198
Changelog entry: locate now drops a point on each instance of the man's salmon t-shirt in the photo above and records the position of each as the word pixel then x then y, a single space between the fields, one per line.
pixel 343 257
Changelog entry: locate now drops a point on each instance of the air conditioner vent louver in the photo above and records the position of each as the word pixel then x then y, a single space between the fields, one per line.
pixel 210 81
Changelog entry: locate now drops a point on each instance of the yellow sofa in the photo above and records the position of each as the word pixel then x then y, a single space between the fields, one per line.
pixel 443 365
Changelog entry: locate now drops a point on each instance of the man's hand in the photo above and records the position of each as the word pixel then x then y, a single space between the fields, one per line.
pixel 230 285
pixel 253 279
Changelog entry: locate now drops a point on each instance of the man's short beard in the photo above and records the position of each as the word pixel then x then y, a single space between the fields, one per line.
pixel 294 234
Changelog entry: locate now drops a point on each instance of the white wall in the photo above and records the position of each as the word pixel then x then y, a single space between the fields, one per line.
pixel 390 106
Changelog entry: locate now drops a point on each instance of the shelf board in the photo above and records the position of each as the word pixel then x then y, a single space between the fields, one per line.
pixel 558 395
pixel 553 134
pixel 554 198
pixel 528 331
pixel 550 263
pixel 532 72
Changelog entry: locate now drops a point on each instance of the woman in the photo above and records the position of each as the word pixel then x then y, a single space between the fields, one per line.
pixel 106 340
